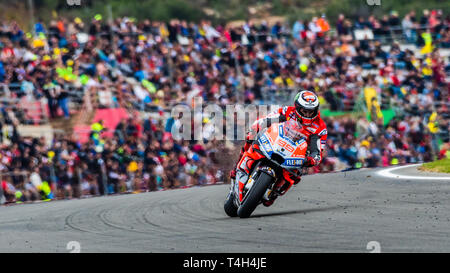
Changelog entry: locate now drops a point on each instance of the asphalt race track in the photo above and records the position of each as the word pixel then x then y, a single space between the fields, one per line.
pixel 336 212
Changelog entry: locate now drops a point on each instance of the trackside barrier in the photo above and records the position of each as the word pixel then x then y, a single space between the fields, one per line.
pixel 2 197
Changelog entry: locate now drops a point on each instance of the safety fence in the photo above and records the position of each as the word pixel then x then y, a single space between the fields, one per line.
pixel 26 186
pixel 285 96
pixel 21 187
pixel 24 111
pixel 385 35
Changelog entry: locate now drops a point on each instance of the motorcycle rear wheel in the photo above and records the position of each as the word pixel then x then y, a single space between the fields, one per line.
pixel 254 196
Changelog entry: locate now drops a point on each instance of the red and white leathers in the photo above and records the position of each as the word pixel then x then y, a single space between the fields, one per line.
pixel 316 134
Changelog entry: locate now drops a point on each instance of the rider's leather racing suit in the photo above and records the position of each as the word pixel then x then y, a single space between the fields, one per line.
pixel 316 135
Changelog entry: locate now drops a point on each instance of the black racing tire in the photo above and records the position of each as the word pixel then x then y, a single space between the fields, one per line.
pixel 254 196
pixel 229 206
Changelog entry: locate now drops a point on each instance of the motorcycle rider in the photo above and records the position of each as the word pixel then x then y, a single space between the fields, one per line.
pixel 306 112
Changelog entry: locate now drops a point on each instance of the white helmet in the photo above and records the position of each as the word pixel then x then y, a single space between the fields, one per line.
pixel 306 107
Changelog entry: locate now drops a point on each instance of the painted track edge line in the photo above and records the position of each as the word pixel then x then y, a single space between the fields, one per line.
pixel 387 173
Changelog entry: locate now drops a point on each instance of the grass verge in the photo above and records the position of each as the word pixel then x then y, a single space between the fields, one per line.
pixel 442 166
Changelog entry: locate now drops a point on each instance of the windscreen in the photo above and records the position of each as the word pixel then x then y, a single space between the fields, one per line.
pixel 293 130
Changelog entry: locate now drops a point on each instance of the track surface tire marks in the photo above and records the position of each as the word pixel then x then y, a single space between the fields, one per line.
pixel 336 212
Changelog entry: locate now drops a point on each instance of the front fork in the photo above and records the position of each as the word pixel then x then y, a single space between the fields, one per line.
pixel 241 184
pixel 244 182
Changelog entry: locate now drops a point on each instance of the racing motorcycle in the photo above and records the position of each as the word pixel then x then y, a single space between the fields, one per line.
pixel 265 171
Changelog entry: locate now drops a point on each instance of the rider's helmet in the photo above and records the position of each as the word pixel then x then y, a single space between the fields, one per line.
pixel 306 107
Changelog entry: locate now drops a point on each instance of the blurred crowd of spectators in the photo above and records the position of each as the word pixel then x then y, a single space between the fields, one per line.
pixel 153 63
pixel 360 143
pixel 149 65
pixel 141 156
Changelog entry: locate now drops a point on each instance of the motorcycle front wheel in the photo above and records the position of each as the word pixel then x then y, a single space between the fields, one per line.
pixel 254 196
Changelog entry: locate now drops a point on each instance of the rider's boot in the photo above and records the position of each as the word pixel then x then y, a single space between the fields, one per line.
pixel 268 203
pixel 297 180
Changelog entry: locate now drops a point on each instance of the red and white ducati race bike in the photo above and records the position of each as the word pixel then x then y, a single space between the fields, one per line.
pixel 265 170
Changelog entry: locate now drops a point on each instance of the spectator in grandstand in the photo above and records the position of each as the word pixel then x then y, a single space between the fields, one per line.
pixel 8 191
pixel 409 28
